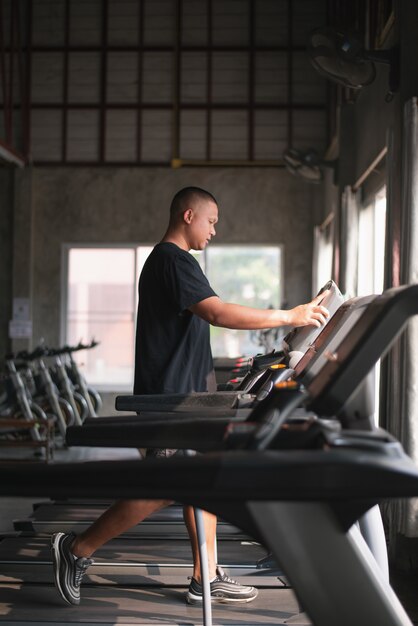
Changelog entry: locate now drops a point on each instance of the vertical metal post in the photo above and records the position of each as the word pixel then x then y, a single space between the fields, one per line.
pixel 22 82
pixel 175 126
pixel 103 82
pixel 209 82
pixel 3 64
pixel 251 75
pixel 28 91
pixel 204 561
pixel 204 567
pixel 65 82
pixel 290 74
pixel 141 14
pixel 9 122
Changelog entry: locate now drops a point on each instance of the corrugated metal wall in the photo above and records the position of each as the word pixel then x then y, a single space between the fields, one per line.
pixel 146 81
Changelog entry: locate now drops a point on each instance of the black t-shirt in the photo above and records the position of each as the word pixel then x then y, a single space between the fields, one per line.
pixel 173 353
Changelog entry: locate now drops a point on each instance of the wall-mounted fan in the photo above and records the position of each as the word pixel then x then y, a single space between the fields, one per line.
pixel 342 58
pixel 306 164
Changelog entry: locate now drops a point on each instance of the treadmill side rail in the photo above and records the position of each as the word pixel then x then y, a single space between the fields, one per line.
pixel 334 574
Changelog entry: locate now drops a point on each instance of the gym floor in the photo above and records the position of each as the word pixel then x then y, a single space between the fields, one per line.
pixel 101 604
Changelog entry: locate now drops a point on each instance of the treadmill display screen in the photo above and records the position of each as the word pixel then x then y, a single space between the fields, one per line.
pixel 299 339
pixel 313 378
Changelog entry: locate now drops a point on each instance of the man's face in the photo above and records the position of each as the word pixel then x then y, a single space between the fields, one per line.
pixel 203 218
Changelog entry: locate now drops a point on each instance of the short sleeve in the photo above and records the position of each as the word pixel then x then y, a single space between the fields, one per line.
pixel 191 285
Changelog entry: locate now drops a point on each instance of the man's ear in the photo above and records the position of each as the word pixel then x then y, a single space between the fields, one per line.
pixel 188 216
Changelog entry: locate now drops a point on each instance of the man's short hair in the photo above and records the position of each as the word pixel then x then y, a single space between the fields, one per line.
pixel 186 196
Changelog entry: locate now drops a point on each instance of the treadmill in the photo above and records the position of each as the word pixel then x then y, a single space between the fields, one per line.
pixel 301 502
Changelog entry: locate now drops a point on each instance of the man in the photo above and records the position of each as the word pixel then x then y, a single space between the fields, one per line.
pixel 176 306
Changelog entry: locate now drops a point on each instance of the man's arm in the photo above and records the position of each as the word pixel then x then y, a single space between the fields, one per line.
pixel 228 315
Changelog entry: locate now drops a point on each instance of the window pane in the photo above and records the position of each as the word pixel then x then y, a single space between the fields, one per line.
pixel 248 275
pixel 371 255
pixel 322 258
pixel 379 240
pixel 142 254
pixel 365 282
pixel 101 303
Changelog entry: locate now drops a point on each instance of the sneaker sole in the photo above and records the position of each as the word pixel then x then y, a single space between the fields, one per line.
pixel 190 599
pixel 56 560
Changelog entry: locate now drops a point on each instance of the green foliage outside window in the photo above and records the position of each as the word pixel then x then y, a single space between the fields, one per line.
pixel 248 275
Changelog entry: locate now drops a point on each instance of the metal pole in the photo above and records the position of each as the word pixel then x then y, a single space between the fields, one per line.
pixel 204 561
pixel 204 567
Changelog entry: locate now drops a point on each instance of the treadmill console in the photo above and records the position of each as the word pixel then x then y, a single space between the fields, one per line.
pixel 297 342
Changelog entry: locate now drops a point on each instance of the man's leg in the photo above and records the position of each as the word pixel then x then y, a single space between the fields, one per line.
pixel 222 588
pixel 120 517
pixel 71 554
pixel 210 530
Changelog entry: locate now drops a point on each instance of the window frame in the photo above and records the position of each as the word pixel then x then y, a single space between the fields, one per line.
pixel 65 253
pixel 370 205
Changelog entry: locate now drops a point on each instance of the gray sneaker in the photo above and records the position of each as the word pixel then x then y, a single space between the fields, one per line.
pixel 222 589
pixel 68 569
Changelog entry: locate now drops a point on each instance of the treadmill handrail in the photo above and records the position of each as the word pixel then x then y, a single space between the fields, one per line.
pixel 336 475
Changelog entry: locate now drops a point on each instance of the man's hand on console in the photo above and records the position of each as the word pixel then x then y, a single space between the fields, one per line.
pixel 310 314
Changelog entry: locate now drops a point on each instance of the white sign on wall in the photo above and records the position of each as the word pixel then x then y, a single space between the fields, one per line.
pixel 20 327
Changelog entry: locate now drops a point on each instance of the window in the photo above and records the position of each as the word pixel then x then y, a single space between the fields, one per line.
pixel 371 246
pixel 248 275
pixel 322 253
pixel 101 302
pixel 371 259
